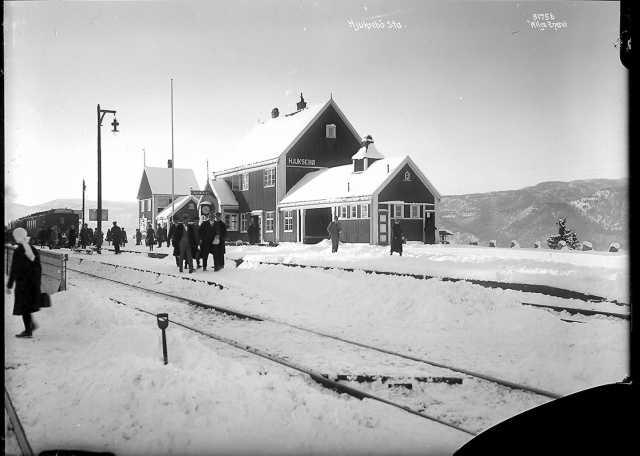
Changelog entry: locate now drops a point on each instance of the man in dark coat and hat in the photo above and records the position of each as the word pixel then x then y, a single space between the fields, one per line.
pixel 116 237
pixel 205 230
pixel 182 244
pixel 26 273
pixel 397 238
pixel 334 229
pixel 219 238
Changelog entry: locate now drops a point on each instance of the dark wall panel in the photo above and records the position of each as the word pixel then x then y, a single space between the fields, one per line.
pixel 413 191
pixel 355 230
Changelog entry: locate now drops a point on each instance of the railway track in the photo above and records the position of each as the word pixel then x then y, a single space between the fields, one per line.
pixel 570 310
pixel 335 380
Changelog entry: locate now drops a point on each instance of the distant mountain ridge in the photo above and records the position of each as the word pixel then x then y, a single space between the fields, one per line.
pixel 596 209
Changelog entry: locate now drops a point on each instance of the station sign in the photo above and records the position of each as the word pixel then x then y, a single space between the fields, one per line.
pixel 199 192
pixel 93 215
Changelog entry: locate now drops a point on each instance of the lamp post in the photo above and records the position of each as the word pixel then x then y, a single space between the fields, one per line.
pixel 115 123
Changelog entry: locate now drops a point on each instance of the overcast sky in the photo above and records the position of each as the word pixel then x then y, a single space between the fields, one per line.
pixel 476 96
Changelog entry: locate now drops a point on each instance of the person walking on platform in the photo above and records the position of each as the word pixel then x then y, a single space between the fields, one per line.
pixel 150 240
pixel 334 230
pixel 205 230
pixel 194 236
pixel 182 245
pixel 26 273
pixel 72 238
pixel 159 236
pixel 124 238
pixel 84 236
pixel 116 237
pixel 138 236
pixel 172 229
pixel 108 238
pixel 397 238
pixel 219 238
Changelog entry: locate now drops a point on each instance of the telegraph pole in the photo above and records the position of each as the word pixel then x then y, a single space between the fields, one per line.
pixel 173 164
pixel 84 188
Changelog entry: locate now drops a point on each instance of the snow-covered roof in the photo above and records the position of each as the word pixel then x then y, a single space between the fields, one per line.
pixel 370 152
pixel 179 203
pixel 160 180
pixel 330 184
pixel 223 193
pixel 268 140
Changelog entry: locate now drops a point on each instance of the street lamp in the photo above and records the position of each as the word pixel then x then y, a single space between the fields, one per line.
pixel 115 123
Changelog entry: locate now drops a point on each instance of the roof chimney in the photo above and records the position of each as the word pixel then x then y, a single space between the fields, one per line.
pixel 169 164
pixel 275 113
pixel 366 141
pixel 301 104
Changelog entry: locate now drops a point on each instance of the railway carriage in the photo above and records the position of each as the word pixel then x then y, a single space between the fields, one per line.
pixel 35 223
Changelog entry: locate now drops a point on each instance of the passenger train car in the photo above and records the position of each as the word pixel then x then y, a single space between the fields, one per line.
pixel 41 222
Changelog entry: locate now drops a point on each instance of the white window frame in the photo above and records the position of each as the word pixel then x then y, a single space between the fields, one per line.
pixel 407 176
pixel 343 212
pixel 364 211
pixel 269 177
pixel 244 222
pixel 232 222
pixel 416 208
pixel 269 217
pixel 330 131
pixel 353 211
pixel 244 182
pixel 288 221
pixel 395 211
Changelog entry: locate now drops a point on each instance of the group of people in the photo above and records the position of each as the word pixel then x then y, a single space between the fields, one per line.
pixel 54 237
pixel 192 242
pixel 117 235
pixel 397 236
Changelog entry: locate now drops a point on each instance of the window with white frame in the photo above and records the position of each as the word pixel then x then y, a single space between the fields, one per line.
pixel 288 221
pixel 415 211
pixel 331 131
pixel 365 211
pixel 407 176
pixel 354 211
pixel 231 221
pixel 343 212
pixel 398 210
pixel 245 182
pixel 268 223
pixel 244 222
pixel 269 177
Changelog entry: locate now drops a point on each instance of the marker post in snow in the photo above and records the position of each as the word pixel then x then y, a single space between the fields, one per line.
pixel 163 322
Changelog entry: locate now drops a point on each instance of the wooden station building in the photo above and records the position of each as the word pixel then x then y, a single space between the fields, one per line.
pixel 294 172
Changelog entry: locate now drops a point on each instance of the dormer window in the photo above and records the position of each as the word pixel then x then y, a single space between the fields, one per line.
pixel 358 165
pixel 407 176
pixel 330 131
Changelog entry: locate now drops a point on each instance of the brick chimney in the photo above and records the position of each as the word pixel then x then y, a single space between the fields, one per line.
pixel 275 113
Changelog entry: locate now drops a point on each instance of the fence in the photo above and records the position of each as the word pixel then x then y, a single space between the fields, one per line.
pixel 54 268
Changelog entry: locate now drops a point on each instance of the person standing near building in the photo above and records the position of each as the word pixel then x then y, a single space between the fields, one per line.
pixel 205 231
pixel 397 238
pixel 108 238
pixel 219 238
pixel 162 235
pixel 72 237
pixel 116 236
pixel 334 230
pixel 194 236
pixel 183 241
pixel 124 237
pixel 26 273
pixel 138 236
pixel 150 239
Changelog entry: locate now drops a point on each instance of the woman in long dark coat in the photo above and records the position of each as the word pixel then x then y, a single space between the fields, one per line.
pixel 26 274
pixel 151 237
pixel 397 237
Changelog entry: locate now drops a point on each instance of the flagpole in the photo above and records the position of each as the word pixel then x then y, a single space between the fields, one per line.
pixel 173 164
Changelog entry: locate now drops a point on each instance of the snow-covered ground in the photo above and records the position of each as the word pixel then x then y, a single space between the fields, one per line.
pixel 99 363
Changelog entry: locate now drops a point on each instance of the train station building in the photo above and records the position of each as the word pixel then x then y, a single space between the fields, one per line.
pixel 295 172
